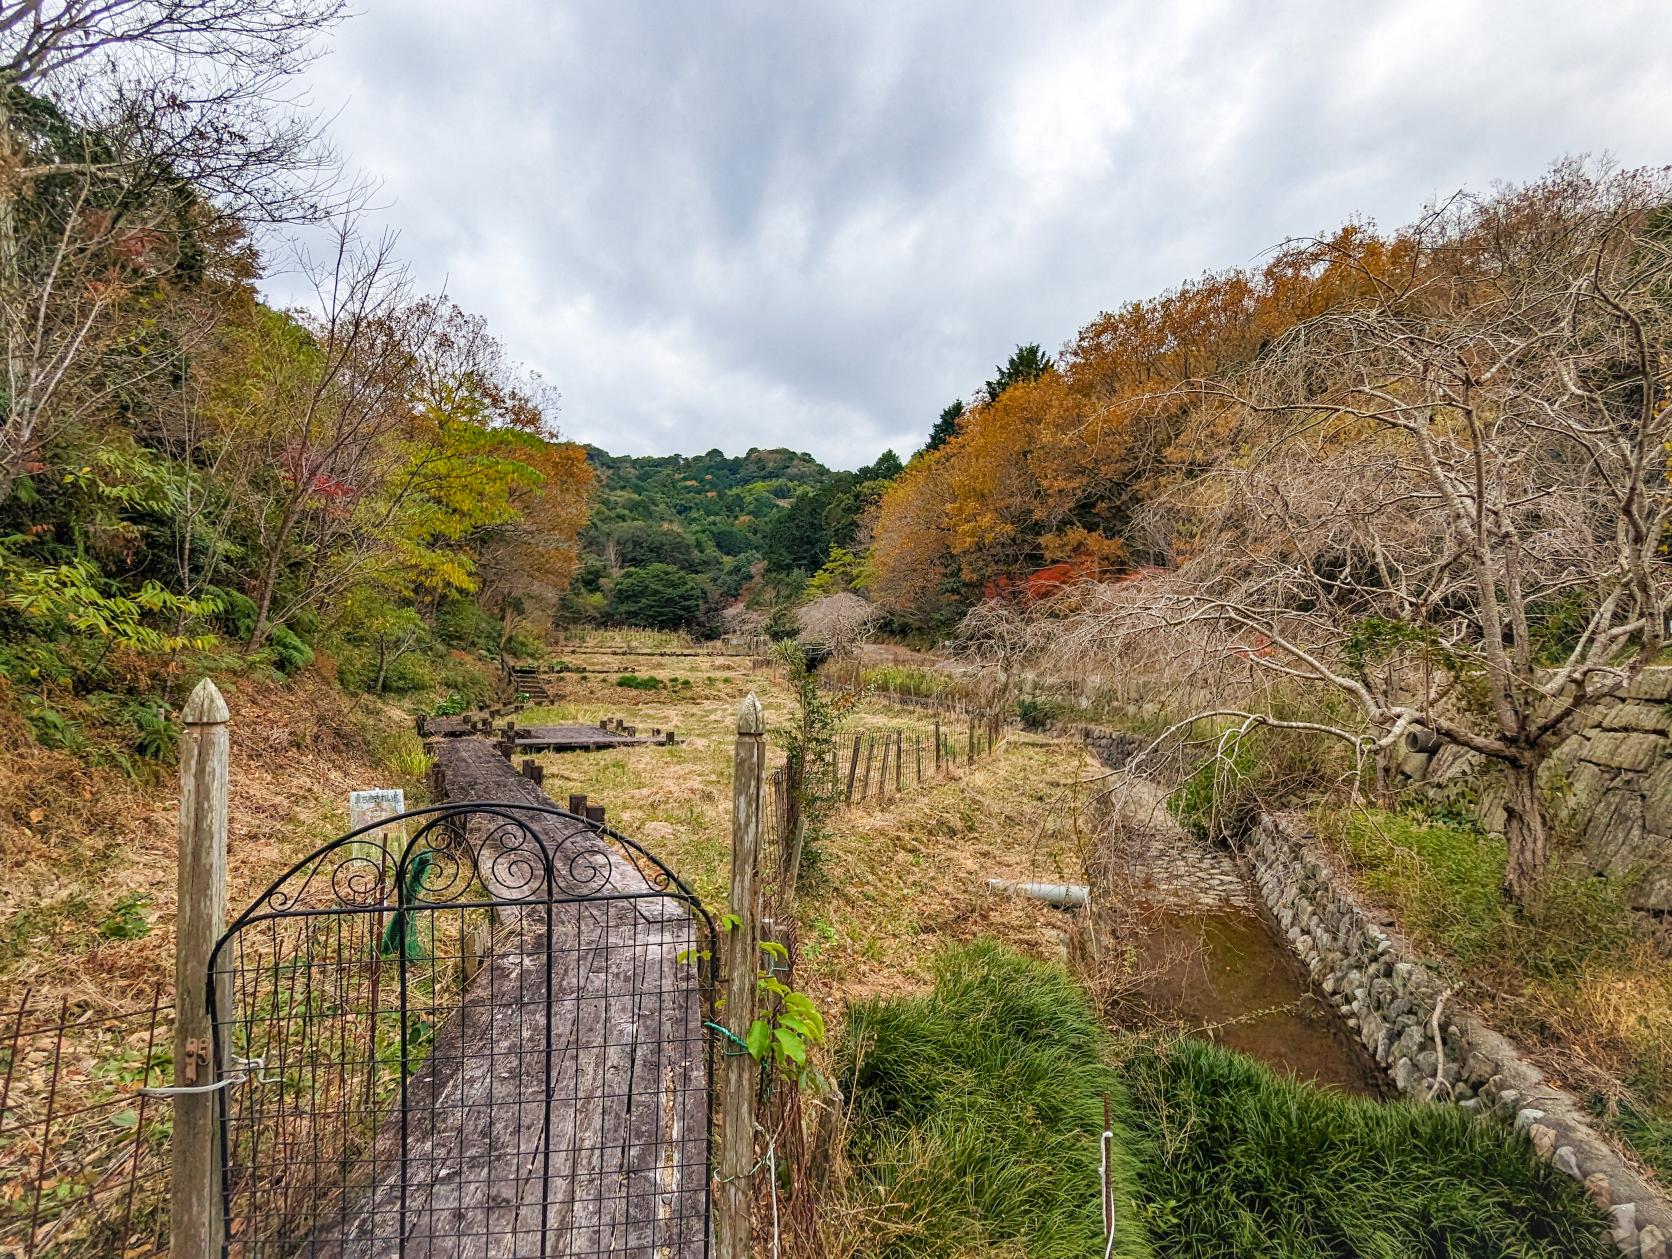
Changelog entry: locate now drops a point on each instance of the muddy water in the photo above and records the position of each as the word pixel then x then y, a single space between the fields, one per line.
pixel 1202 958
pixel 1222 975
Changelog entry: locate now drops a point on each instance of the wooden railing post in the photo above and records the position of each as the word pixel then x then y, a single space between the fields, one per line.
pixel 195 1207
pixel 738 1071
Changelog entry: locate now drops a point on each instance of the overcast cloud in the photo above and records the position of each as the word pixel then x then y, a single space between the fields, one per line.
pixel 734 225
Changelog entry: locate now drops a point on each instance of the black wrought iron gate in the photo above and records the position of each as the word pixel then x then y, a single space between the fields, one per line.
pixel 474 1030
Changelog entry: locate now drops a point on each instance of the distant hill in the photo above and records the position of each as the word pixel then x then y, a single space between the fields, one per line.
pixel 720 520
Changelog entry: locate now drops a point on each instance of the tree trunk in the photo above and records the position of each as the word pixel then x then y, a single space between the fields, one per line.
pixel 1527 866
pixel 382 662
pixel 270 574
pixel 264 603
pixel 15 435
pixel 795 831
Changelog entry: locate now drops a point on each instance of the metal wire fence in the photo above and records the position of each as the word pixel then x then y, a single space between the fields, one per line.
pixel 83 1152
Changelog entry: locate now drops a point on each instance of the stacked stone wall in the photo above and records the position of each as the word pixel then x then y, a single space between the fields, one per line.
pixel 1423 1036
pixel 1610 786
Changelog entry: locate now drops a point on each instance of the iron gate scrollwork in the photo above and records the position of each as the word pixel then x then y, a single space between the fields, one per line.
pixel 475 1029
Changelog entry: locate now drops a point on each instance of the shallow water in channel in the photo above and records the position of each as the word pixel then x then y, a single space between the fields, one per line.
pixel 1222 975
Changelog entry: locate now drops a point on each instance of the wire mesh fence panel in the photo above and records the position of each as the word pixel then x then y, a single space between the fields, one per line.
pixel 83 1153
pixel 487 1041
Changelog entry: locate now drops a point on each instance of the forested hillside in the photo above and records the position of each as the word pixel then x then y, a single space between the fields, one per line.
pixel 193 478
pixel 673 539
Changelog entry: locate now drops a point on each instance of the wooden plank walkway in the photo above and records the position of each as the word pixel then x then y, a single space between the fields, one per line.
pixel 575 738
pixel 623 1078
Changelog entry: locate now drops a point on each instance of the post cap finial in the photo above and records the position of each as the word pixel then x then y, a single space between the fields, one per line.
pixel 750 718
pixel 206 707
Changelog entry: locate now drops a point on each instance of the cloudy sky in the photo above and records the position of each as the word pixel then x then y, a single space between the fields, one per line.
pixel 734 225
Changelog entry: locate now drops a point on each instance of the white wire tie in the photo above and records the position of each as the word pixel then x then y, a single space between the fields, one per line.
pixel 244 1070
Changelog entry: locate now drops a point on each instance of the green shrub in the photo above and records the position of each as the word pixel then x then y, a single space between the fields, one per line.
pixel 634 682
pixel 290 654
pixel 461 622
pixel 977 1114
pixel 468 679
pixel 452 706
pixel 1260 767
pixel 1221 799
pixel 522 645
pixel 52 729
pixel 407 673
pixel 235 613
pixel 1037 712
pixel 155 735
pixel 1247 1162
pixel 907 680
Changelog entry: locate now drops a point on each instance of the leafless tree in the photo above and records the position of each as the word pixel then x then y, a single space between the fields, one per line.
pixel 1448 503
pixel 313 436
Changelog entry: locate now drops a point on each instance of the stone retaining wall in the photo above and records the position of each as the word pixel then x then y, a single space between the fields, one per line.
pixel 1395 1006
pixel 1612 784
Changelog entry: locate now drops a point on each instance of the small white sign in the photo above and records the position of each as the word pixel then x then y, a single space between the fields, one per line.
pixel 377 805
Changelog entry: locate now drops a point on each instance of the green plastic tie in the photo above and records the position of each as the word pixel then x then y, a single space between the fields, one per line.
pixel 742 1046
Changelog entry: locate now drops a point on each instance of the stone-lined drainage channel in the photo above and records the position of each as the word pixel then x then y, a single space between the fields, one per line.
pixel 1202 959
pixel 1275 919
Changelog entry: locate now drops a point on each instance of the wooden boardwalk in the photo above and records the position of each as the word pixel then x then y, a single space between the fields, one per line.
pixel 577 738
pixel 621 1085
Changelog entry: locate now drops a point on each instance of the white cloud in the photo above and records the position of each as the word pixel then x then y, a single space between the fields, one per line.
pixel 739 224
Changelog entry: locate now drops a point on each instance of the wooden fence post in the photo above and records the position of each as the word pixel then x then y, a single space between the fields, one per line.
pixel 195 1206
pixel 899 761
pixel 937 745
pixel 738 1071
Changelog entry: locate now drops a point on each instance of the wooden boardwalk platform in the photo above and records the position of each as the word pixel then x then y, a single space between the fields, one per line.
pixel 622 1081
pixel 577 738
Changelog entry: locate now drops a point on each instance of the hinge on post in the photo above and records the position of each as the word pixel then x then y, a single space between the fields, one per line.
pixel 197 1052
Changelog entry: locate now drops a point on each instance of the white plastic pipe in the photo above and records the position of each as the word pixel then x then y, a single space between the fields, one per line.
pixel 1062 895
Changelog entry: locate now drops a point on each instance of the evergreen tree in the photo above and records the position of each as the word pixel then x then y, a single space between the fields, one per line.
pixel 1028 362
pixel 657 596
pixel 946 428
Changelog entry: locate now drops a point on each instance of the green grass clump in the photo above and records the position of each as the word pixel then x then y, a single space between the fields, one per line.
pixel 636 682
pixel 1246 1162
pixel 1443 879
pixel 1646 1129
pixel 907 680
pixel 978 1114
pixel 1577 975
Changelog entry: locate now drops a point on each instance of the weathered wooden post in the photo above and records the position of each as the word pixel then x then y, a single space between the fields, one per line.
pixel 736 1102
pixel 195 1209
pixel 937 744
